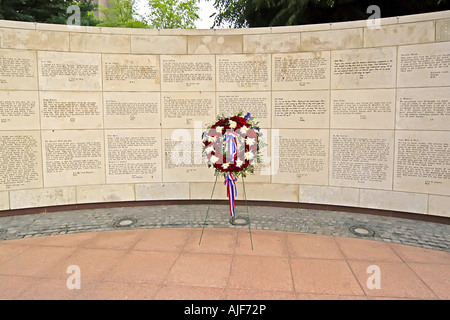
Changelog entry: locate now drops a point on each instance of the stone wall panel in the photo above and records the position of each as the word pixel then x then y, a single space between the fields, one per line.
pixel 351 114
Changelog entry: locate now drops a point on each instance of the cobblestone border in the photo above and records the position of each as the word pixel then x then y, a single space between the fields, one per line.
pixel 424 234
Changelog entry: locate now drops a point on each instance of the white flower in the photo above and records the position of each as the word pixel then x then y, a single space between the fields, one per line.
pixel 250 141
pixel 211 139
pixel 233 124
pixel 209 150
pixel 244 129
pixel 219 129
pixel 249 155
pixel 239 163
pixel 225 165
pixel 214 159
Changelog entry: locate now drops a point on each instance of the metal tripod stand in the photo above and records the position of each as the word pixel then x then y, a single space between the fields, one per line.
pixel 233 220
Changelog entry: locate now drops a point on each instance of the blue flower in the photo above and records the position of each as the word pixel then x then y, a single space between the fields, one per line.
pixel 247 116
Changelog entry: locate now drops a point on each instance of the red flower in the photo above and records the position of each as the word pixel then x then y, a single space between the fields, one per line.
pixel 252 134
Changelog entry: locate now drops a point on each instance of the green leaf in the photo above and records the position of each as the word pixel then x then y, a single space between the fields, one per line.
pixel 173 14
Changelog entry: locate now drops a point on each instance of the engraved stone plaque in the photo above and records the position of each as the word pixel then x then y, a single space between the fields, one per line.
pixel 423 109
pixel 301 71
pixel 424 65
pixel 361 158
pixel 71 110
pixel 263 170
pixel 130 72
pixel 18 70
pixel 133 156
pixel 132 109
pixel 363 68
pixel 422 162
pixel 182 109
pixel 256 103
pixel 301 156
pixel 20 160
pixel 363 109
pixel 69 71
pixel 188 73
pixel 300 109
pixel 73 157
pixel 19 110
pixel 243 72
pixel 182 156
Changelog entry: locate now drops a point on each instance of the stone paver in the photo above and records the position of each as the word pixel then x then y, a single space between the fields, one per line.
pixel 168 263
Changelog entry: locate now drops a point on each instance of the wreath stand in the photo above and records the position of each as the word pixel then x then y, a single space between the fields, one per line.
pixel 233 220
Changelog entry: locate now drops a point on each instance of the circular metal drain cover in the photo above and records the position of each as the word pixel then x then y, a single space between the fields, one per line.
pixel 125 222
pixel 362 231
pixel 240 221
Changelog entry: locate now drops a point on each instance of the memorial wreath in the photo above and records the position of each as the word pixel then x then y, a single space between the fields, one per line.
pixel 232 146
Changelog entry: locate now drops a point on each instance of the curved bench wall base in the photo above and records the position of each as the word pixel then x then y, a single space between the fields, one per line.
pixel 240 203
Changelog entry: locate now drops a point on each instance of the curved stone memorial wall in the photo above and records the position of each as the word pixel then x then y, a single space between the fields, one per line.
pixel 353 116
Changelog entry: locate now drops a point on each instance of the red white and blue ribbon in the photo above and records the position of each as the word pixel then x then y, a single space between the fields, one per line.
pixel 230 182
pixel 231 140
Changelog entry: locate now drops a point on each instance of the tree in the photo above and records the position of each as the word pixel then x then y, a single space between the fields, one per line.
pixel 163 13
pixel 231 13
pixel 121 13
pixel 173 14
pixel 47 11
pixel 263 13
